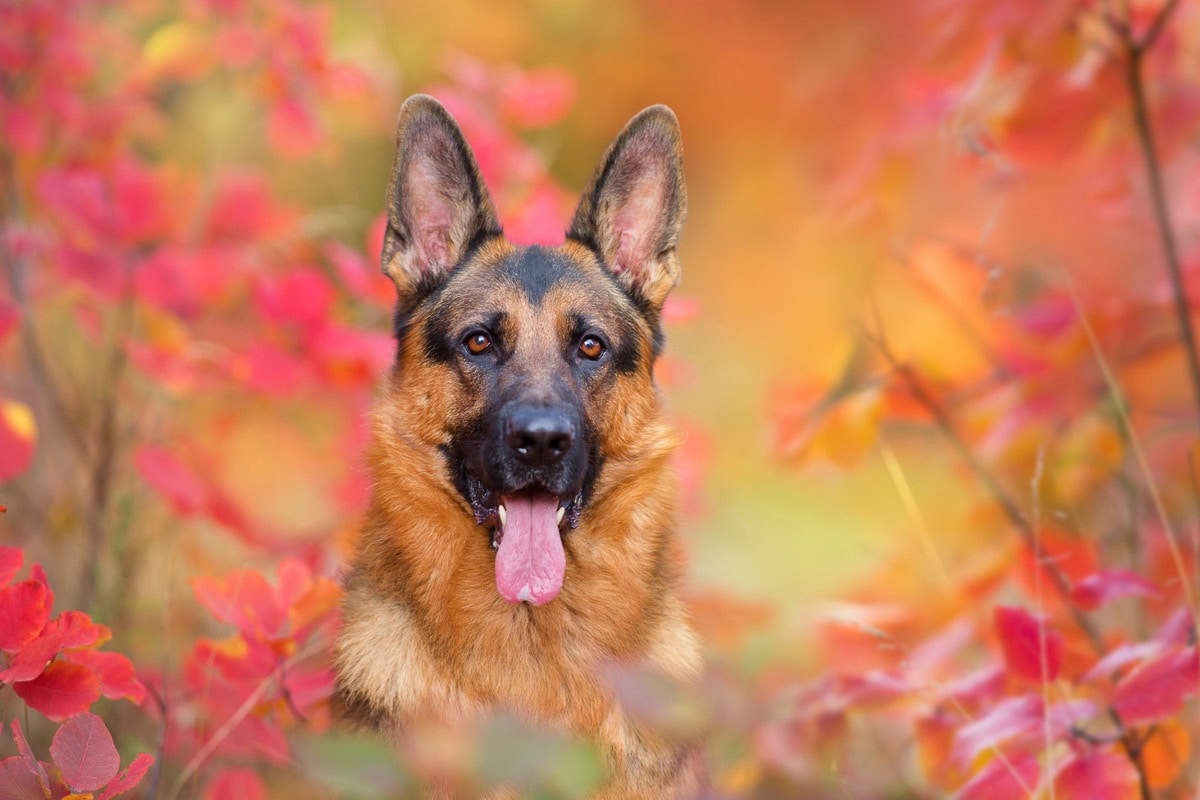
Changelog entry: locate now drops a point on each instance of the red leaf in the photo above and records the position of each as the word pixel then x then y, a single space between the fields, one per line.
pixel 1003 779
pixel 176 482
pixel 1157 688
pixel 23 614
pixel 243 599
pixel 361 279
pixel 235 782
pixel 140 202
pixel 302 296
pixel 115 673
pixel 36 573
pixel 11 559
pixel 295 581
pixel 62 691
pixel 18 783
pixel 273 371
pixel 83 749
pixel 131 777
pixel 18 435
pixel 31 762
pixel 78 630
pixel 1018 719
pixel 1108 585
pixel 1096 775
pixel 1030 648
pixel 33 658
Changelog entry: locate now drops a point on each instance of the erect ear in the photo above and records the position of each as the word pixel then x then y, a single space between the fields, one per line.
pixel 437 203
pixel 633 207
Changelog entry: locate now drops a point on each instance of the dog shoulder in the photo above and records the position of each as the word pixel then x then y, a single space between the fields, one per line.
pixel 386 671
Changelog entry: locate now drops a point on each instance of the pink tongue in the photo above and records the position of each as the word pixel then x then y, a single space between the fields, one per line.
pixel 530 561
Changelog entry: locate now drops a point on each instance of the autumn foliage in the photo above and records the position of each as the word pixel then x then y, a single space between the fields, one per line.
pixel 192 322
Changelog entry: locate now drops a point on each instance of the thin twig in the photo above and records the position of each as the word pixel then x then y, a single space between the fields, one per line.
pixel 1139 454
pixel 106 444
pixel 1156 27
pixel 236 719
pixel 1135 52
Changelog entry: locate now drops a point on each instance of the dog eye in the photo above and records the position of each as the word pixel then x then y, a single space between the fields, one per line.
pixel 478 343
pixel 591 348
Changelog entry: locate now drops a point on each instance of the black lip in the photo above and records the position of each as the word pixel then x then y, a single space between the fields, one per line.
pixel 485 503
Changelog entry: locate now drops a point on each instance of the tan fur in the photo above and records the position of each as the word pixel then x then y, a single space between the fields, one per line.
pixel 426 634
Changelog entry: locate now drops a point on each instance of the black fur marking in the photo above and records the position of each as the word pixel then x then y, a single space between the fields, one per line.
pixel 440 343
pixel 427 291
pixel 536 269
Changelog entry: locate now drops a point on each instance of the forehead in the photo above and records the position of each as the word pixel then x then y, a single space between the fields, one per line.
pixel 544 281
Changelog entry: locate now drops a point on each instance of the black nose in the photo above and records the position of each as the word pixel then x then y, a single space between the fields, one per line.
pixel 540 435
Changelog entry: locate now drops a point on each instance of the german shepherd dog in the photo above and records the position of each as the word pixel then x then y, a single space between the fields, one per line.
pixel 519 540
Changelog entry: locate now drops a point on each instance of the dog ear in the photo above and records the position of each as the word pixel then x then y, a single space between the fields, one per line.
pixel 633 207
pixel 437 202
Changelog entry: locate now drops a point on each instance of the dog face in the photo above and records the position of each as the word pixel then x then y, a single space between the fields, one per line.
pixel 532 365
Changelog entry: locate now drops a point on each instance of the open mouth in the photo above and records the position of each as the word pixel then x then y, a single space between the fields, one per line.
pixel 527 537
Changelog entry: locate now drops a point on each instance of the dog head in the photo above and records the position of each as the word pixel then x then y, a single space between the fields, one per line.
pixel 532 366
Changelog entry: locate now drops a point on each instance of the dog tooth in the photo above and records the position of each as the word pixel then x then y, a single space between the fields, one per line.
pixel 562 511
pixel 503 515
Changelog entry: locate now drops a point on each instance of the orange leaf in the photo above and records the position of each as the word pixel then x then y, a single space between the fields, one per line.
pixel 1165 753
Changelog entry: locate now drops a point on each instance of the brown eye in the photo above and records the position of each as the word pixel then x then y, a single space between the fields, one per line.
pixel 478 343
pixel 591 348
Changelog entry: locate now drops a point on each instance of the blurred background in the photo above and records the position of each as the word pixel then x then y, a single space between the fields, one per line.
pixel 926 335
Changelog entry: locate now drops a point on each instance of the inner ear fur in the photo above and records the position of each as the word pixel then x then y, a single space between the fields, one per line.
pixel 437 202
pixel 633 207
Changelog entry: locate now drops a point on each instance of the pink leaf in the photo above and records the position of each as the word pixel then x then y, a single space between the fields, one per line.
pixel 62 691
pixel 1019 721
pixel 293 129
pixel 31 763
pixel 11 559
pixel 981 688
pixel 1108 585
pixel 536 98
pixel 1030 647
pixel 1157 688
pixel 131 777
pixel 83 749
pixel 363 280
pixel 1119 657
pixel 1096 775
pixel 23 614
pixel 18 783
pixel 1179 628
pixel 1003 779
pixel 176 482
pixel 1012 717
